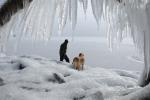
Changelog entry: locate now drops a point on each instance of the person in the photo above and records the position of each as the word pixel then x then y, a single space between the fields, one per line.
pixel 63 50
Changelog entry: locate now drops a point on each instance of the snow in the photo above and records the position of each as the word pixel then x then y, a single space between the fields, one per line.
pixel 124 18
pixel 127 17
pixel 96 51
pixel 42 79
pixel 142 94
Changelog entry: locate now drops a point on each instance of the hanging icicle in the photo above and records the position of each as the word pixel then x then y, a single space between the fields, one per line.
pixel 84 4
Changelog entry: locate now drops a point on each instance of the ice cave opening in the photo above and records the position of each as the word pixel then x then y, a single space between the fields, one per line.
pixel 34 18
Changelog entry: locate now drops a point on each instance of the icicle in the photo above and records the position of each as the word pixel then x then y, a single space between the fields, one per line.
pixel 84 4
pixel 144 79
pixel 97 7
pixel 74 7
pixel 63 14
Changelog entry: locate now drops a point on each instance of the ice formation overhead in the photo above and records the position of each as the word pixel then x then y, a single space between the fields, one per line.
pixel 122 16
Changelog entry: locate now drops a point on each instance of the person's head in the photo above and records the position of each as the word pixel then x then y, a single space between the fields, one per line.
pixel 66 41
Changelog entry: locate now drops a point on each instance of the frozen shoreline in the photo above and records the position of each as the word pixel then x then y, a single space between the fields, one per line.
pixel 38 78
pixel 97 52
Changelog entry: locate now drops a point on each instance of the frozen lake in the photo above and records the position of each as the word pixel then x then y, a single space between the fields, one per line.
pixel 96 50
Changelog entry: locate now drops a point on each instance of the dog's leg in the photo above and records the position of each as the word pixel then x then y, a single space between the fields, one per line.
pixel 78 67
pixel 74 65
pixel 82 66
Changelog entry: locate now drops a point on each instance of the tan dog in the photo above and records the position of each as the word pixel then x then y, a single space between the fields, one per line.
pixel 76 63
pixel 82 60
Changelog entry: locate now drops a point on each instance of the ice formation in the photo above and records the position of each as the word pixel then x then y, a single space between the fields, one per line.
pixel 122 16
pixel 45 79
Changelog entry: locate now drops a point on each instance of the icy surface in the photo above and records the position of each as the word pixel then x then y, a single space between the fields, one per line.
pixel 142 94
pixel 123 18
pixel 37 78
pixel 97 55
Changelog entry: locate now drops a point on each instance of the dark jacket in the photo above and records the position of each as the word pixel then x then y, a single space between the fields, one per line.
pixel 63 48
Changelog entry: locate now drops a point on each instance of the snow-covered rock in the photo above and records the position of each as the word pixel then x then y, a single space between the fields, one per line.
pixel 44 79
pixel 142 94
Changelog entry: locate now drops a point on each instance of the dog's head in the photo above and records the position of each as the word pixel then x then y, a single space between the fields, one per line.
pixel 81 55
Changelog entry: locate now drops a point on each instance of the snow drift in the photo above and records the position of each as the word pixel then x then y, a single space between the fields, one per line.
pixel 54 80
pixel 123 17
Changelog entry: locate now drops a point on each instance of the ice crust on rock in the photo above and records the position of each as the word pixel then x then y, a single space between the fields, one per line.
pixel 90 84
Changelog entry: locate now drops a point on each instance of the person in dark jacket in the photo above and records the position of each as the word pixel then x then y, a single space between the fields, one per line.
pixel 63 50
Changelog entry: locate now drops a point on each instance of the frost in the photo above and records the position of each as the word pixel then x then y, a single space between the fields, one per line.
pixel 142 94
pixel 45 79
pixel 122 17
pixel 84 4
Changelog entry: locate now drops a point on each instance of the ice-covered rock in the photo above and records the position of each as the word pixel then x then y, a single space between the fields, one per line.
pixel 140 94
pixel 96 96
pixel 44 79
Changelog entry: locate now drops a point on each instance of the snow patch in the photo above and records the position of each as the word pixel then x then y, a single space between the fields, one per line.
pixel 45 78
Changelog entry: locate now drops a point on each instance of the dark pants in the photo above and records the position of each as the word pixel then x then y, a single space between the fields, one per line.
pixel 62 57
